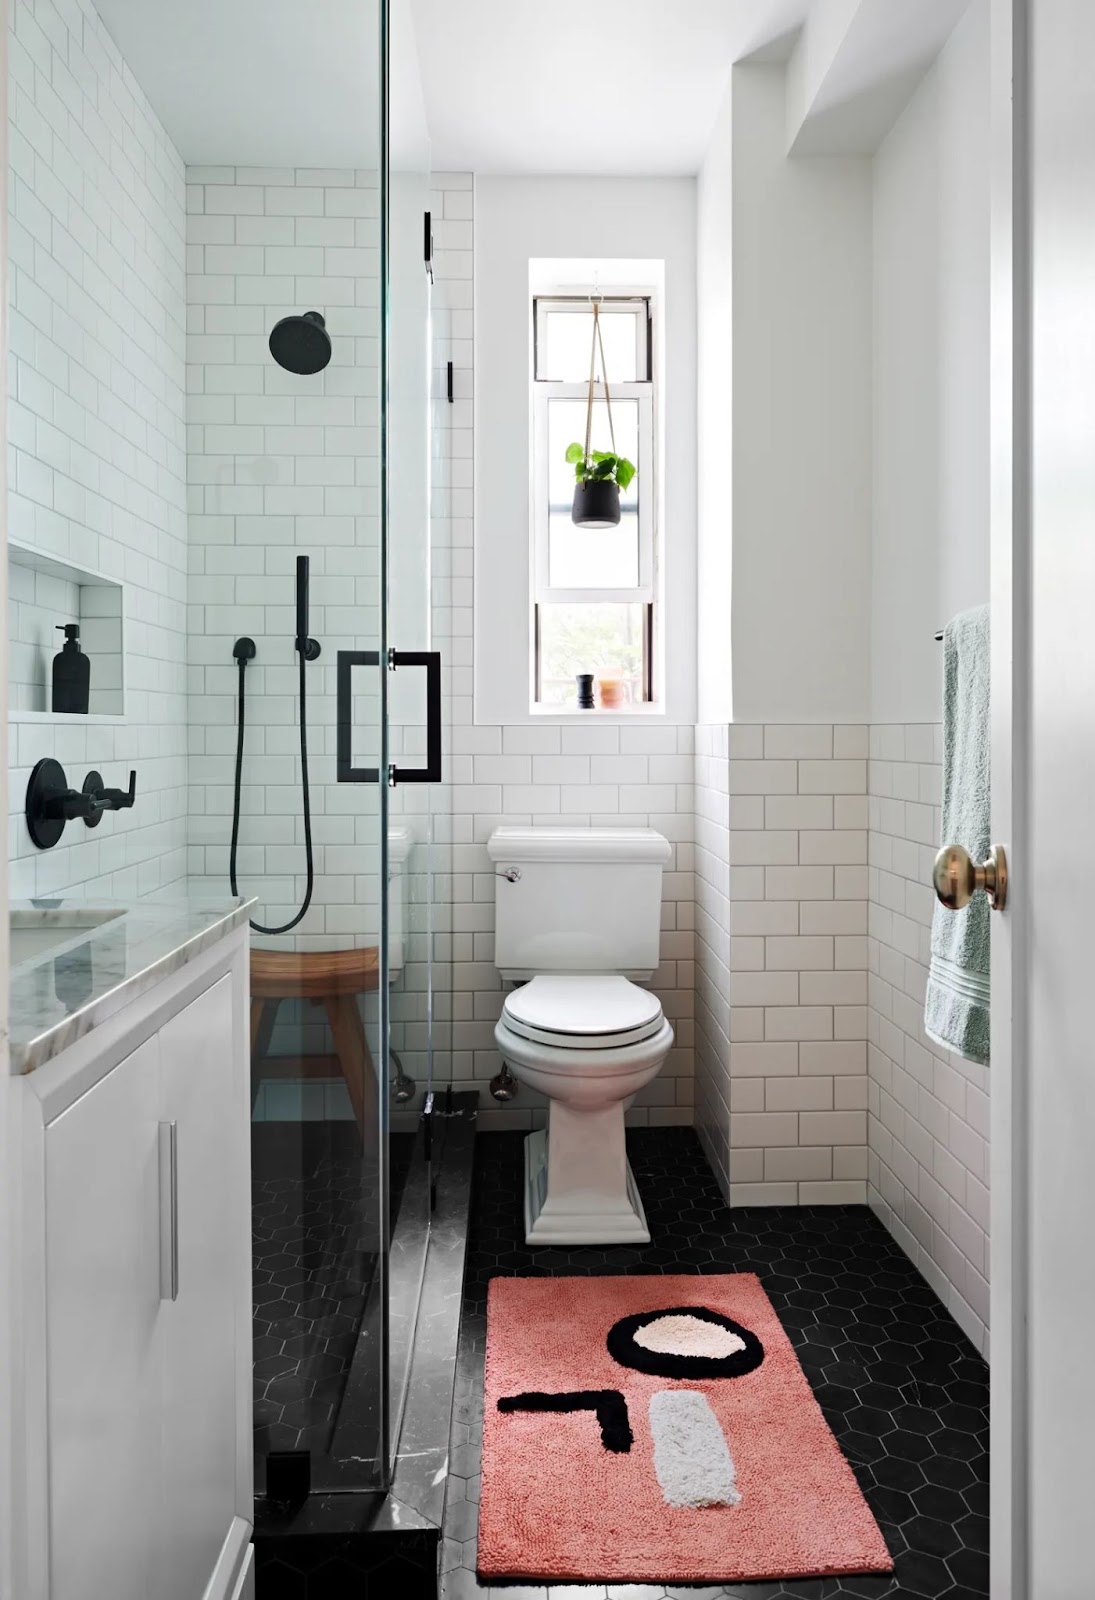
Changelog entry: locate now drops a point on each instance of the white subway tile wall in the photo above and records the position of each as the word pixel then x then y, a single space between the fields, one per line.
pixel 37 599
pixel 523 775
pixel 97 426
pixel 282 465
pixel 928 1107
pixel 37 602
pixel 781 954
pixel 712 968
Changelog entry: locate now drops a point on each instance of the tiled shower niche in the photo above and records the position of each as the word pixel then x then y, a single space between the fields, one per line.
pixel 43 595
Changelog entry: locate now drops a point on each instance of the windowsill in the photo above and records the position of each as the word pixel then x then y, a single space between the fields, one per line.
pixel 597 713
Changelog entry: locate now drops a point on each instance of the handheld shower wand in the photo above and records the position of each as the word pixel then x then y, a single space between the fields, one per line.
pixel 309 648
pixel 243 651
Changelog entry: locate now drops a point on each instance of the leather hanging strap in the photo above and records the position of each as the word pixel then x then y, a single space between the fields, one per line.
pixel 597 343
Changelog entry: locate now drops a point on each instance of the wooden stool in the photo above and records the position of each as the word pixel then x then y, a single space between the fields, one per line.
pixel 335 978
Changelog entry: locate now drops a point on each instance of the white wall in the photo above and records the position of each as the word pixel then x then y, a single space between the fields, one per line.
pixel 784 266
pixel 96 420
pixel 517 220
pixel 801 351
pixel 715 373
pixel 931 373
pixel 928 1126
pixel 825 26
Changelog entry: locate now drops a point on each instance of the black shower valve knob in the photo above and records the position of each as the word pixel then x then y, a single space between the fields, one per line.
pixel 100 798
pixel 50 803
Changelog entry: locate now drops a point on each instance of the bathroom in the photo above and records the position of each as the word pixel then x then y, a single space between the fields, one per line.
pixel 502 540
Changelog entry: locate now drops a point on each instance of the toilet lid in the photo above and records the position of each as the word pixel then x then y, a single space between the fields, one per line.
pixel 587 1013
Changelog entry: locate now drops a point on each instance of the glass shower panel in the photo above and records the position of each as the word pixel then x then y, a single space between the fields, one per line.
pixel 320 1066
pixel 285 233
pixel 413 701
pixel 218 318
pixel 450 614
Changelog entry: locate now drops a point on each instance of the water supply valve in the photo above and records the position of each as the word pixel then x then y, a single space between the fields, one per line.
pixel 51 803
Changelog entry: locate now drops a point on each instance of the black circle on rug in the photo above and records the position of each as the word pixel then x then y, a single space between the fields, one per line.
pixel 625 1349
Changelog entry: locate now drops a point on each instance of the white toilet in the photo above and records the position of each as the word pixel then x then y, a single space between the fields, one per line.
pixel 577 917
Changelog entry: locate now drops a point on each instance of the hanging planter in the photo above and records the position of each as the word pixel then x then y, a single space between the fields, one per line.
pixel 600 474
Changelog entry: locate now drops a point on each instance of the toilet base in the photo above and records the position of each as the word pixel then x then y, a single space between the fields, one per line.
pixel 581 1217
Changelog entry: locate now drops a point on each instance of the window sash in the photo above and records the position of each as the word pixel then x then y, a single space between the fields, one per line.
pixel 648 656
pixel 543 591
pixel 635 306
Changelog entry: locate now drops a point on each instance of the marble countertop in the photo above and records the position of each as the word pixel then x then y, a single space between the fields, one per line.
pixel 75 976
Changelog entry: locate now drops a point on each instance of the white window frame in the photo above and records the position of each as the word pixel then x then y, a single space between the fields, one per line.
pixel 545 390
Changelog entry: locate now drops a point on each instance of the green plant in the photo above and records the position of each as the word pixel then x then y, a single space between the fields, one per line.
pixel 600 466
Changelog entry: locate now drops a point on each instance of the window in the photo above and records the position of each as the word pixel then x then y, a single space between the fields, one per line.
pixel 592 590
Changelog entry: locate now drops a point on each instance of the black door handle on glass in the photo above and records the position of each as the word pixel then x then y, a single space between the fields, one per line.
pixel 347 661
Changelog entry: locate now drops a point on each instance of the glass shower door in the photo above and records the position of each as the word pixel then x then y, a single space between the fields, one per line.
pixel 320 986
pixel 357 1162
pixel 414 702
pixel 405 669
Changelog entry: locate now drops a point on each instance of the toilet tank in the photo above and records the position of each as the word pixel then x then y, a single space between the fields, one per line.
pixel 577 900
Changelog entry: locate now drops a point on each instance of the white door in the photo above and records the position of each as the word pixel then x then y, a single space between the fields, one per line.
pixel 102 1305
pixel 201 1326
pixel 1043 1137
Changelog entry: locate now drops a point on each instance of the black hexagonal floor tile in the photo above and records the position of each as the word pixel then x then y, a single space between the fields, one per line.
pixel 902 1388
pixel 309 1196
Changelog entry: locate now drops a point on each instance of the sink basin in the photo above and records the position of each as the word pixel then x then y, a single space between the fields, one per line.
pixel 37 935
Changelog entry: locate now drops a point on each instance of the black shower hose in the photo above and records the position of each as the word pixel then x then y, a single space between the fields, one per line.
pixel 258 927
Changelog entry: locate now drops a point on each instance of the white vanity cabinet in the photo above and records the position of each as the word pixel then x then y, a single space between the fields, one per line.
pixel 200 1330
pixel 104 1363
pixel 137 1282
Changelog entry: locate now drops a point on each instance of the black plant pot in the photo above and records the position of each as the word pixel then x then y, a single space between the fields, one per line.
pixel 596 504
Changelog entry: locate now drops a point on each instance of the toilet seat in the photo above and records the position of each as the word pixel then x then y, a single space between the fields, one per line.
pixel 596 1012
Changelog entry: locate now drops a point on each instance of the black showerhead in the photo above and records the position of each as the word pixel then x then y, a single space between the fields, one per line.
pixel 301 344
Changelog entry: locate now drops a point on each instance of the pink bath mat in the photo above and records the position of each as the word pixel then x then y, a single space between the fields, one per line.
pixel 658 1429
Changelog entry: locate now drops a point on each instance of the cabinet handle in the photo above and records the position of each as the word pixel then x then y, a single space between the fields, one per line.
pixel 169 1210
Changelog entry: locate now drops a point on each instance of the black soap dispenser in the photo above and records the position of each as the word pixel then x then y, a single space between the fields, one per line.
pixel 71 673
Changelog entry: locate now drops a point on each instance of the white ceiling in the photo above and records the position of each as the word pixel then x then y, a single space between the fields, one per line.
pixel 256 82
pixel 584 86
pixel 570 86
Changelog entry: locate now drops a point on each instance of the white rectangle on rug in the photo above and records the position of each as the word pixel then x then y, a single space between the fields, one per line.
pixel 691 1457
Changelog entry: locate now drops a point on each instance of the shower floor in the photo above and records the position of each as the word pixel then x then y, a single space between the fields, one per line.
pixel 314 1247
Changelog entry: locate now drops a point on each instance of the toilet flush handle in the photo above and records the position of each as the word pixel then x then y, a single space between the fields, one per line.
pixel 511 874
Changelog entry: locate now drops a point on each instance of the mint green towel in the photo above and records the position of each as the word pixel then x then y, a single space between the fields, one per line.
pixel 956 1008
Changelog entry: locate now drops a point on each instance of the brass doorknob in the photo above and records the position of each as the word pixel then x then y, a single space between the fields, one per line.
pixel 957 879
